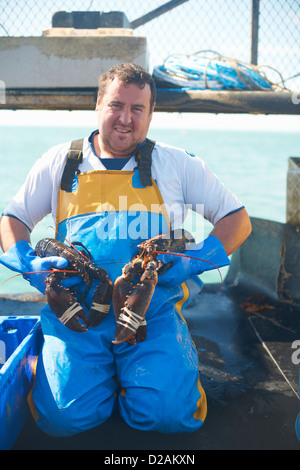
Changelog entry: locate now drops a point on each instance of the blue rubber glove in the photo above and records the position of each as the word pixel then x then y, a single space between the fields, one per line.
pixel 211 250
pixel 22 258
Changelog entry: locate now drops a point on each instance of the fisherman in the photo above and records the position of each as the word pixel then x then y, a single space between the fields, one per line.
pixel 120 196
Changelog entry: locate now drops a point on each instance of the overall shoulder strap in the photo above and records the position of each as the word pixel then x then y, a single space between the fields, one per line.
pixel 74 158
pixel 144 161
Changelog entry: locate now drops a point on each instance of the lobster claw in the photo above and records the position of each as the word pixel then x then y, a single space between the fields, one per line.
pixel 131 302
pixel 100 303
pixel 140 334
pixel 142 331
pixel 65 306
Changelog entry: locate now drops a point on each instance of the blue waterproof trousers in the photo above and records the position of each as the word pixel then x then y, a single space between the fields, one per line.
pixel 80 377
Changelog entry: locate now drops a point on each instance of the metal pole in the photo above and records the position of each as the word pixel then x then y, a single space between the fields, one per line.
pixel 254 32
pixel 155 13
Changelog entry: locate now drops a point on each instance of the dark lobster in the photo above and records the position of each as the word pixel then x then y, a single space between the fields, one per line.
pixel 63 301
pixel 134 289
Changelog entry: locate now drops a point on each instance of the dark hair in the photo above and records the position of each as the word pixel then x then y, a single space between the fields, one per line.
pixel 128 73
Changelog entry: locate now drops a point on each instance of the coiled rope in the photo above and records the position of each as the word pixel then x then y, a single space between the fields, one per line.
pixel 215 73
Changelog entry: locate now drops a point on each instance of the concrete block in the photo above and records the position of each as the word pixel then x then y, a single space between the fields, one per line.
pixel 67 59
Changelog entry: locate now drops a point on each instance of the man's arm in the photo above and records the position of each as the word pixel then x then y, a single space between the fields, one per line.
pixel 11 231
pixel 233 230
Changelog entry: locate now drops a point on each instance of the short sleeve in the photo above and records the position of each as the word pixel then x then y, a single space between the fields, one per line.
pixel 206 193
pixel 34 200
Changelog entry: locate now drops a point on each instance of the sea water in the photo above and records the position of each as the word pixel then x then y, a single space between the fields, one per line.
pixel 253 164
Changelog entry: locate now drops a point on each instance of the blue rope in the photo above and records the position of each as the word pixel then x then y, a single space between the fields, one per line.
pixel 217 73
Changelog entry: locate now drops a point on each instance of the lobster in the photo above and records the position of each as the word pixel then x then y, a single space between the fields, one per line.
pixel 63 301
pixel 134 289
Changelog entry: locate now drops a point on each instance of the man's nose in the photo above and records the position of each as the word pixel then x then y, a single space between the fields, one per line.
pixel 125 116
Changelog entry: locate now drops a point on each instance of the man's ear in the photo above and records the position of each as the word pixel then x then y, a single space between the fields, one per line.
pixel 98 102
pixel 152 111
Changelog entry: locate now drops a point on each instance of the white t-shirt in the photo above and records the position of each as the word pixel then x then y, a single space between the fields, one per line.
pixel 185 182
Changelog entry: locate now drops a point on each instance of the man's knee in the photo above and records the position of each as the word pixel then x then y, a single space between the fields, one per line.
pixel 153 410
pixel 73 419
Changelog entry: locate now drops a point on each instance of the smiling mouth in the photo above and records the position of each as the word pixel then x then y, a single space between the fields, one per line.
pixel 122 131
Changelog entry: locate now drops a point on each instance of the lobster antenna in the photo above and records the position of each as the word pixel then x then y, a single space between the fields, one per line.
pixel 191 257
pixel 39 272
pixel 71 244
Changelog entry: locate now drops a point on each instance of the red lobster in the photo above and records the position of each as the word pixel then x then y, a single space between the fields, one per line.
pixel 61 300
pixel 134 289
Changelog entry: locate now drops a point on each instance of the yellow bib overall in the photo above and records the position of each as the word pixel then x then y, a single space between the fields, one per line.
pixel 157 386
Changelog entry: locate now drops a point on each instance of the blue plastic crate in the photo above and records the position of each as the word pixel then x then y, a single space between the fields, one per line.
pixel 20 343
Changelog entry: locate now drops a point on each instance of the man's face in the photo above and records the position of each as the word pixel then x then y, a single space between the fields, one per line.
pixel 124 118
